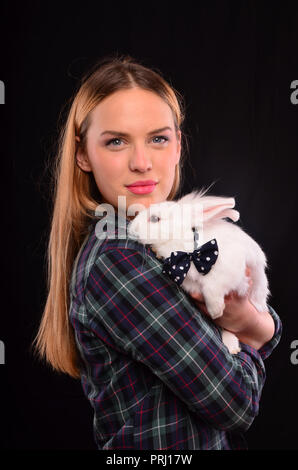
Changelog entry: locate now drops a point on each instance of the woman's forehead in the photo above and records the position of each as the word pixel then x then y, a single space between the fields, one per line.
pixel 132 107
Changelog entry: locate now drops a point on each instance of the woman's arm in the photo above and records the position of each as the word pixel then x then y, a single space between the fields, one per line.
pixel 134 308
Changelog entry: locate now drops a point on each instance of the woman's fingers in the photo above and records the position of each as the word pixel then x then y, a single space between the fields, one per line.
pixel 198 297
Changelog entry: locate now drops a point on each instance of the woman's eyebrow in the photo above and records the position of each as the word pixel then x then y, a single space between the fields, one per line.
pixel 123 134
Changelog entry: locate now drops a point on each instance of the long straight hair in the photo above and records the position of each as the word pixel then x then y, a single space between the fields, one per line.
pixel 76 196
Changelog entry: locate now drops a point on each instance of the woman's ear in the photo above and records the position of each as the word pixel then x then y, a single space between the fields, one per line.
pixel 82 159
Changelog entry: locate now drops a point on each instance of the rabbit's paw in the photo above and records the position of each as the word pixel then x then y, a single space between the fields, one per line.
pixel 215 308
pixel 243 288
pixel 231 341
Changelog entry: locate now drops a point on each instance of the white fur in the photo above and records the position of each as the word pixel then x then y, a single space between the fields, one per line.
pixel 236 250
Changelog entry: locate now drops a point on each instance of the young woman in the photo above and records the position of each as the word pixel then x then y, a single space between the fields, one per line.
pixel 151 361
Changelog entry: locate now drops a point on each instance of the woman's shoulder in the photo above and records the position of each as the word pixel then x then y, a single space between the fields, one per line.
pixel 104 238
pixel 106 244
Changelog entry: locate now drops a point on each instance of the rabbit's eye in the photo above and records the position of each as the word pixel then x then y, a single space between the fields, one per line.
pixel 154 218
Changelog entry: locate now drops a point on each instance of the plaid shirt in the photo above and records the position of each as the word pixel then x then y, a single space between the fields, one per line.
pixel 154 369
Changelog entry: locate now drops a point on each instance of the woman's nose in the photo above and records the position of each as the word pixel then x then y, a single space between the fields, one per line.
pixel 140 159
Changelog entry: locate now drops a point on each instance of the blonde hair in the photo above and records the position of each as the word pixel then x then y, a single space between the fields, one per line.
pixel 76 196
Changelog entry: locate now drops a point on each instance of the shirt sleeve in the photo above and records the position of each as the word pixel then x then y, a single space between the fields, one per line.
pixel 265 351
pixel 137 310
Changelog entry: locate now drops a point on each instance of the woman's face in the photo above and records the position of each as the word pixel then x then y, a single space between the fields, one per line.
pixel 131 138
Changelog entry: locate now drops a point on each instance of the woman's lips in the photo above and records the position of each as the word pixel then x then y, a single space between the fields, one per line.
pixel 142 186
pixel 142 189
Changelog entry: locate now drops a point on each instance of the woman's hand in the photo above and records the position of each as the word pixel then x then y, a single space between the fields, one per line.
pixel 242 318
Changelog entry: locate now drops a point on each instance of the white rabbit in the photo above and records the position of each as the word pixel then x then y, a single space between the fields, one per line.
pixel 169 227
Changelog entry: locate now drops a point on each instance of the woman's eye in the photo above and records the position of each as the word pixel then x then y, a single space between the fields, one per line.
pixel 113 140
pixel 116 142
pixel 165 139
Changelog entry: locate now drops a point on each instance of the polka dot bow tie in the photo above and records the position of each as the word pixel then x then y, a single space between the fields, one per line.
pixel 178 263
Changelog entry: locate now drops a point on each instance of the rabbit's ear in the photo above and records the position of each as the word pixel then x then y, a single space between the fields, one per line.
pixel 219 208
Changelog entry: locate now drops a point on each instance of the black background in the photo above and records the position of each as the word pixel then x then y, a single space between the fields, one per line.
pixel 234 62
